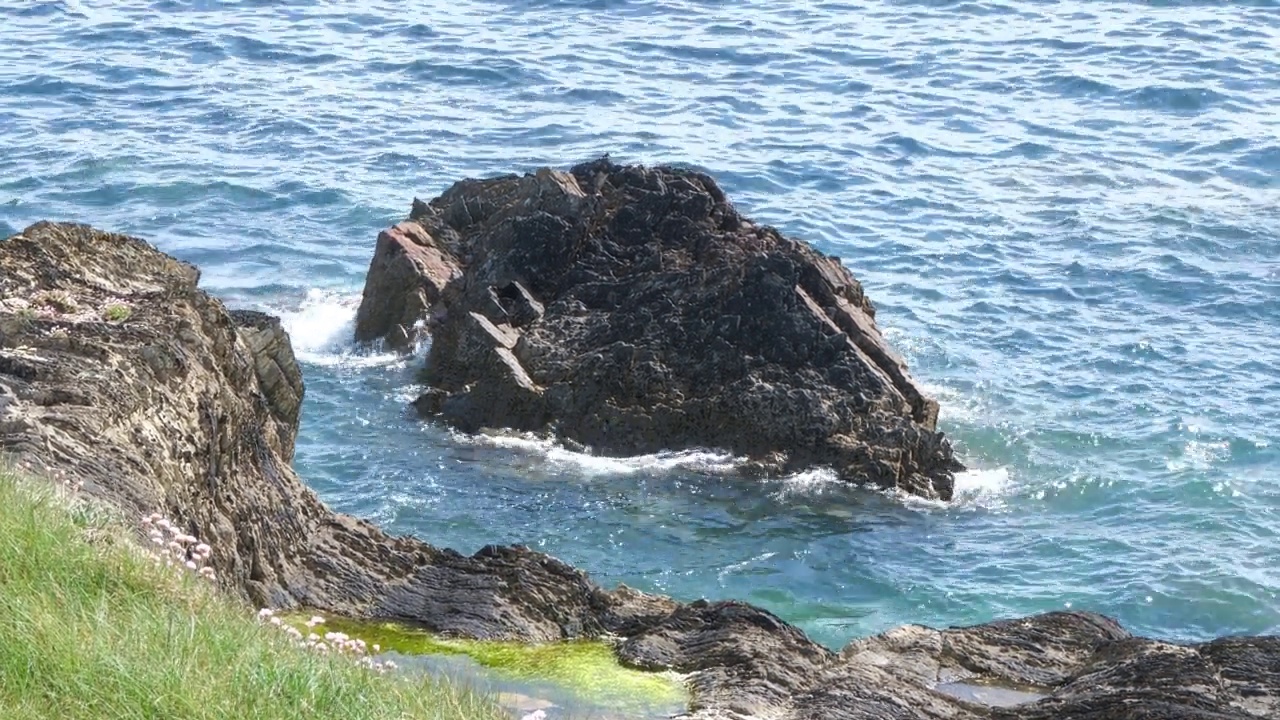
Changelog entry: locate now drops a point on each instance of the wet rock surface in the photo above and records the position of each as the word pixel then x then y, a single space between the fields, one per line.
pixel 117 371
pixel 633 310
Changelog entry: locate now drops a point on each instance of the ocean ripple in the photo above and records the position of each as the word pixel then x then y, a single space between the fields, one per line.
pixel 1066 214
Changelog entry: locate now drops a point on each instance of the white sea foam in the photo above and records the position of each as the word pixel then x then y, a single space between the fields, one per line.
pixel 321 329
pixel 739 567
pixel 1199 455
pixel 75 7
pixel 696 460
pixel 815 478
pixel 973 489
pixel 953 405
pixel 979 488
pixel 814 481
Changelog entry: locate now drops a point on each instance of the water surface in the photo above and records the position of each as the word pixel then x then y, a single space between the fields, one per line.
pixel 1067 214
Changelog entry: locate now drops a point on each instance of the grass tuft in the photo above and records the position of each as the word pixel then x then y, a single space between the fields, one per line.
pixel 116 313
pixel 102 630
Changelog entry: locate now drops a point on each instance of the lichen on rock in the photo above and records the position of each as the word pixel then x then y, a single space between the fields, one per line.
pixel 634 310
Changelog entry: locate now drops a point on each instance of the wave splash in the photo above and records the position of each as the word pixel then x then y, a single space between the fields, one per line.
pixel 322 328
pixel 700 461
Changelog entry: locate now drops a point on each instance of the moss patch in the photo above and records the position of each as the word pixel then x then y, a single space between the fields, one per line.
pixel 588 669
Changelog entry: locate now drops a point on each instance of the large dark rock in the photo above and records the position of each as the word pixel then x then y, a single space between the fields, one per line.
pixel 191 410
pixel 633 310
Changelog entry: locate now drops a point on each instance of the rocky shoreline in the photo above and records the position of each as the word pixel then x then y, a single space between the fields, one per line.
pixel 118 372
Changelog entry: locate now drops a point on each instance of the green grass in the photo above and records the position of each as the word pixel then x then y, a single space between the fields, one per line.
pixel 116 313
pixel 92 628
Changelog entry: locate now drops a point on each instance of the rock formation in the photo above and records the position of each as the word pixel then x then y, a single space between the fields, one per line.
pixel 633 310
pixel 191 410
pixel 117 371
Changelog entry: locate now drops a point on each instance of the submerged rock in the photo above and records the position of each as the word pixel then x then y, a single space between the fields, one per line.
pixel 118 372
pixel 633 310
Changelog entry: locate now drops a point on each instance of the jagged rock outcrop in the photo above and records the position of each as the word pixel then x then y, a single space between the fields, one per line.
pixel 118 372
pixel 633 310
pixel 191 410
pixel 1054 666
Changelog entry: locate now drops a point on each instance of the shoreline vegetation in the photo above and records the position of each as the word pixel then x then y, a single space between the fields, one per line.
pixel 92 627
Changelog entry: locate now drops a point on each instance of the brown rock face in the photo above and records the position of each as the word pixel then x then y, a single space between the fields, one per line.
pixel 191 410
pixel 633 310
pixel 406 278
pixel 188 409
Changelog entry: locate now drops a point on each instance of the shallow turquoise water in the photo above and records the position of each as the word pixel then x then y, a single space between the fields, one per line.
pixel 1068 214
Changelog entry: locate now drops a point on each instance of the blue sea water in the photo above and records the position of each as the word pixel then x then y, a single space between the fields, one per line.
pixel 1068 214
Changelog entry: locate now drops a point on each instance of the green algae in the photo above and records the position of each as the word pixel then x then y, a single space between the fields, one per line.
pixel 586 669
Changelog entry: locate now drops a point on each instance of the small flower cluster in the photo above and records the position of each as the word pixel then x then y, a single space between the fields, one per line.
pixel 335 642
pixel 69 485
pixel 178 548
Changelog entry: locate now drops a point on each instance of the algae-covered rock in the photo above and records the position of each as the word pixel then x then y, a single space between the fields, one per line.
pixel 587 671
pixel 634 310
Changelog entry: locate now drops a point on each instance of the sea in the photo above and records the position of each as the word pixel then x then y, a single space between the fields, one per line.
pixel 1067 214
